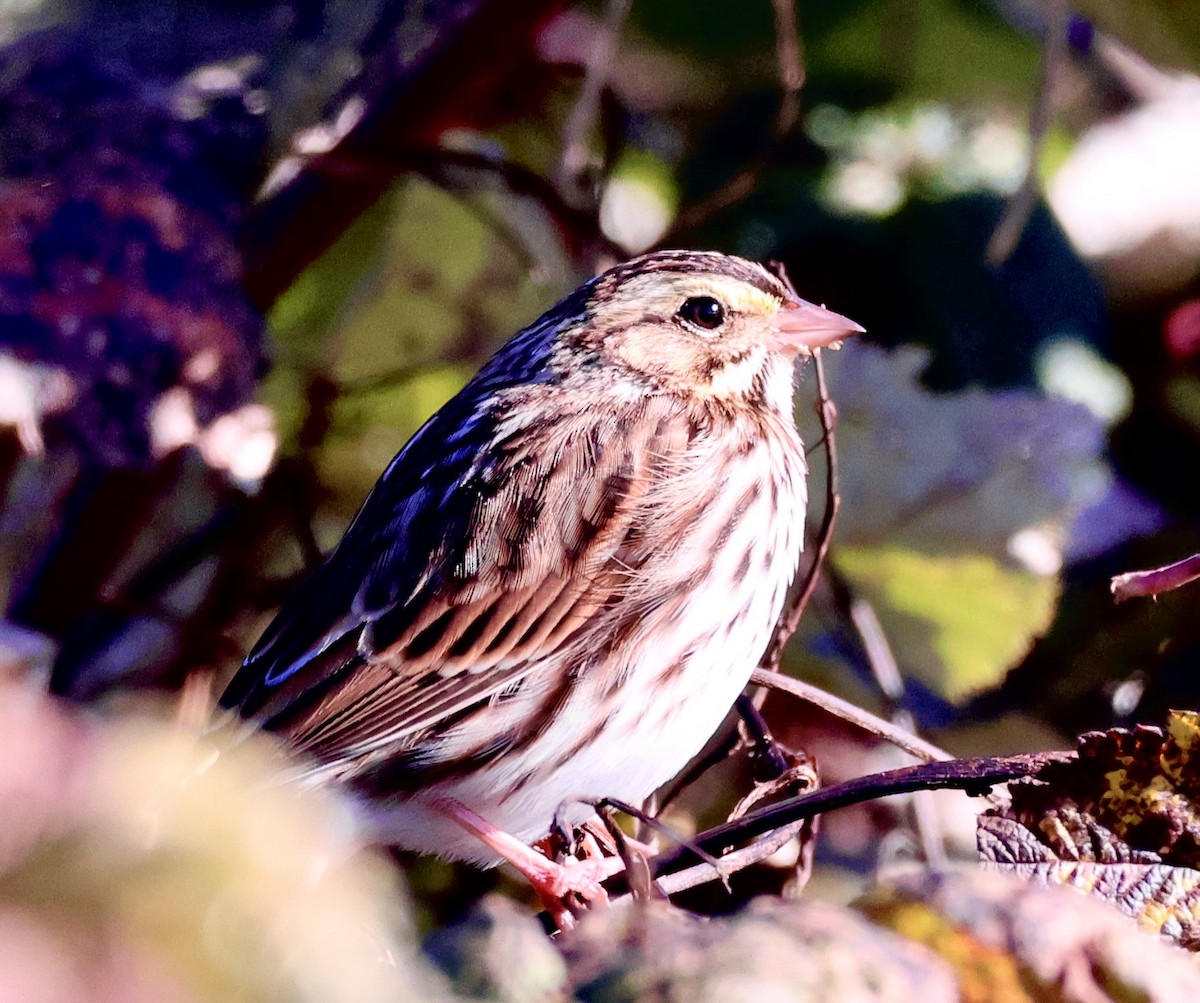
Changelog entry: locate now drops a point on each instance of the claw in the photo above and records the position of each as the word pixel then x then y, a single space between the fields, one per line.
pixel 566 890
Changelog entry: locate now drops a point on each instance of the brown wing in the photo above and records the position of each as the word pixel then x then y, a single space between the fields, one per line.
pixel 531 560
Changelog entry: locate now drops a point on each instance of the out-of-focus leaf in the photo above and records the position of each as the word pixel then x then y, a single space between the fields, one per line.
pixel 145 862
pixel 388 313
pixel 1127 199
pixel 500 952
pixel 951 472
pixel 1011 941
pixel 1120 822
pixel 958 620
pixel 640 198
pixel 773 950
pixel 941 493
pixel 710 27
pixel 369 428
pixel 854 45
pixel 419 301
pixel 304 317
pixel 1182 397
pixel 906 46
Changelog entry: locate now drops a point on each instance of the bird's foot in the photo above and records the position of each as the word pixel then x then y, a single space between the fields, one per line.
pixel 569 888
pixel 565 889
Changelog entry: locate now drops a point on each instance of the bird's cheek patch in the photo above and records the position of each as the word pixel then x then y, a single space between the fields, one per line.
pixel 656 352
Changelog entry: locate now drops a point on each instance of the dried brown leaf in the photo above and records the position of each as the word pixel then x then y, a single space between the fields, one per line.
pixel 1120 822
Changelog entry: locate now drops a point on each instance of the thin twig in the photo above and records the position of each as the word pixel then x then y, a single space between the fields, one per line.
pixel 656 824
pixel 789 63
pixel 731 863
pixel 852 714
pixel 886 671
pixel 581 224
pixel 572 161
pixel 713 869
pixel 637 864
pixel 1155 580
pixel 880 657
pixel 790 619
pixel 1019 207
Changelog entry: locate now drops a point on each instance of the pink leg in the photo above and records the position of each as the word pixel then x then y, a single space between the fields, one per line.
pixel 563 889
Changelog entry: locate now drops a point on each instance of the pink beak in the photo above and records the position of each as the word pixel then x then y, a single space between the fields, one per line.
pixel 804 327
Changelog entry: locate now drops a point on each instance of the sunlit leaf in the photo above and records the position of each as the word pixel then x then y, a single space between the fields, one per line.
pixel 957 621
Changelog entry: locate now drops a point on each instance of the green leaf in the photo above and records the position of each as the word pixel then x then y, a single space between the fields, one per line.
pixel 907 45
pixel 956 621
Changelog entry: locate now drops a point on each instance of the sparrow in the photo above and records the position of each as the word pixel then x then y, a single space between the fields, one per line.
pixel 558 588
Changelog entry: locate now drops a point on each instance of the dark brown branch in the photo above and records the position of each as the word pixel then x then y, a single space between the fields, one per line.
pixel 789 62
pixel 1018 208
pixel 469 76
pixel 580 226
pixel 572 162
pixel 1155 580
pixel 976 776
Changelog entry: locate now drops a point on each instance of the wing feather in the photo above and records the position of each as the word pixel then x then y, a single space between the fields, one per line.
pixel 458 579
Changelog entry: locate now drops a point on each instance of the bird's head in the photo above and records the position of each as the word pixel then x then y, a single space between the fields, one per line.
pixel 704 325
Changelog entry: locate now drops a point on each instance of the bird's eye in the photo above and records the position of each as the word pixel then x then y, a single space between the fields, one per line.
pixel 703 312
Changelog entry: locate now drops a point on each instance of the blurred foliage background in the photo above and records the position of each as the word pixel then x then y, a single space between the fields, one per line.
pixel 246 249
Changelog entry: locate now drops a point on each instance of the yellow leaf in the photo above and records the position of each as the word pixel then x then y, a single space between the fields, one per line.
pixel 957 621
